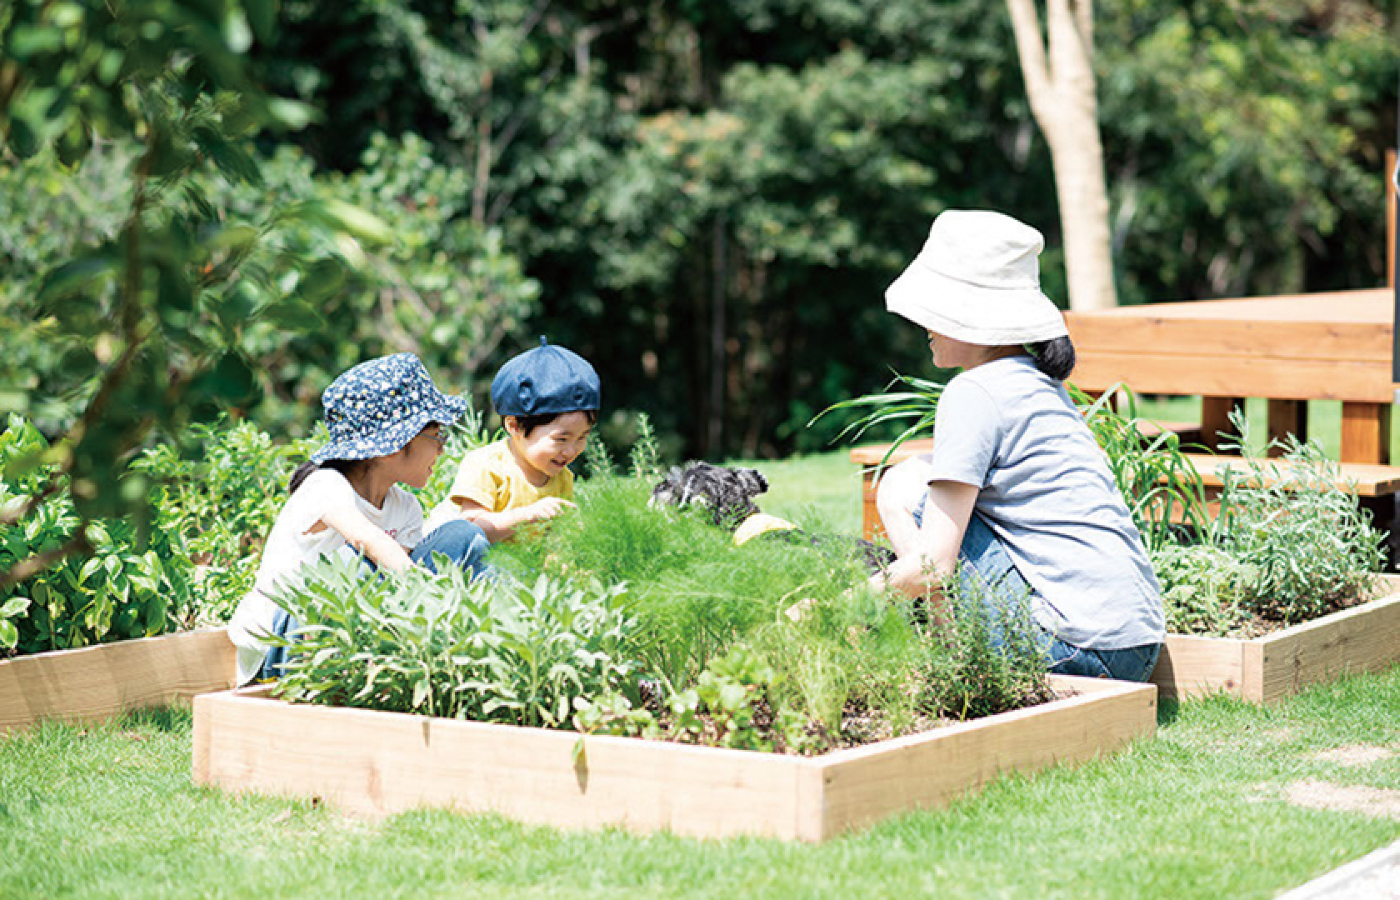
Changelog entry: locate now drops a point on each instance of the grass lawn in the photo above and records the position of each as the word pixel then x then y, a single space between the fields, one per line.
pixel 819 492
pixel 1210 807
pixel 1202 810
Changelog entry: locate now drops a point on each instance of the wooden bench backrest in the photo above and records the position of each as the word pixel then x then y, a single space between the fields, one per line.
pixel 1282 351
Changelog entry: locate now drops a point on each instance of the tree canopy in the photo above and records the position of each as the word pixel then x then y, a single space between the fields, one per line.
pixel 226 202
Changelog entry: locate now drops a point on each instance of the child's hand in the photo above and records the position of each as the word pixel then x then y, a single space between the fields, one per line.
pixel 548 508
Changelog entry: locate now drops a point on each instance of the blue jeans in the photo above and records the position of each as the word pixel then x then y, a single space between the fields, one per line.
pixel 987 571
pixel 463 542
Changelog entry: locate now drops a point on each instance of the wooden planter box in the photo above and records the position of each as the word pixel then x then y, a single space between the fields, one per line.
pixel 377 763
pixel 105 680
pixel 1365 638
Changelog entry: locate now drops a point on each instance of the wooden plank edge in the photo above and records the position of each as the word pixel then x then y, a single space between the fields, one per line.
pixel 283 725
pixel 867 784
pixel 1365 638
pixel 1180 674
pixel 373 763
pixel 102 681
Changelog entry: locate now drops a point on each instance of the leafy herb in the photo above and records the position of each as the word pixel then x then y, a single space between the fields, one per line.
pixel 491 649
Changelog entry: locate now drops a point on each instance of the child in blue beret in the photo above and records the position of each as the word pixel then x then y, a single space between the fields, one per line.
pixel 548 401
pixel 386 421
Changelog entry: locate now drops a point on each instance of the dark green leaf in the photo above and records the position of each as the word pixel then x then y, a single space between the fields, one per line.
pixel 24 142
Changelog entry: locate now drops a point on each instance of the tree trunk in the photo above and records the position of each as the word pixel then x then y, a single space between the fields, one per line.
pixel 1062 99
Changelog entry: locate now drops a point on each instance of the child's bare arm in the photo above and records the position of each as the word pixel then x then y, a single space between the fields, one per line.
pixel 368 538
pixel 501 526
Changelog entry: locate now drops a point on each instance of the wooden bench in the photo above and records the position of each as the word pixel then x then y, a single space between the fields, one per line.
pixel 1375 486
pixel 1288 349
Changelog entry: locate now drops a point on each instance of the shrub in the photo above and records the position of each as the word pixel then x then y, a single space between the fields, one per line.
pixel 1203 588
pixel 1287 546
pixel 215 512
pixel 1310 545
pixel 794 632
pixel 695 592
pixel 122 588
pixel 491 650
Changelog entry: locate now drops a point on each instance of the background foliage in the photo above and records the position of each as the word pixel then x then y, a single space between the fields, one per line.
pixel 706 200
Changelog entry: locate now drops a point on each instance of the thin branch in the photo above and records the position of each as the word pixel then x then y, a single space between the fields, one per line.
pixel 37 563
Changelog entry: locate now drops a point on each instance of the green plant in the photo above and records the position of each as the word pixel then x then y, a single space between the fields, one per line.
pixel 1287 545
pixel 1163 491
pixel 645 457
pixel 148 319
pixel 118 589
pixel 917 405
pixel 13 608
pixel 490 649
pixel 696 593
pixel 987 657
pixel 215 511
pixel 1203 588
pixel 1312 546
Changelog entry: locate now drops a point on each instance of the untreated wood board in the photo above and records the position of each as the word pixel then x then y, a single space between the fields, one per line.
pixel 1191 666
pixel 867 784
pixel 376 763
pixel 1365 638
pixel 105 680
pixel 1348 326
pixel 1147 371
pixel 1366 479
pixel 1366 432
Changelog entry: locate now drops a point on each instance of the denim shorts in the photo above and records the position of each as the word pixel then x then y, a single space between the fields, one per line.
pixel 986 570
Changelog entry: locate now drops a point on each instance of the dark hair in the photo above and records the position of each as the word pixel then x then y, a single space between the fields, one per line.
pixel 1054 357
pixel 343 466
pixel 530 423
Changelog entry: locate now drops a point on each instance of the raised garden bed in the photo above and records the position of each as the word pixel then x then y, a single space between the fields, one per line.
pixel 377 763
pixel 1365 638
pixel 105 680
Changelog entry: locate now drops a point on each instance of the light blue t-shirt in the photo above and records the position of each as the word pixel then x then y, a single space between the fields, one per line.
pixel 1046 491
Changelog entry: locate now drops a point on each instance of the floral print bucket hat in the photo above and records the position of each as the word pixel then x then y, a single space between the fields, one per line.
pixel 377 407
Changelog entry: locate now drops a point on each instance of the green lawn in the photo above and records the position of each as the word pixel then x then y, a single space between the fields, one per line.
pixel 1201 810
pixel 819 492
pixel 1198 811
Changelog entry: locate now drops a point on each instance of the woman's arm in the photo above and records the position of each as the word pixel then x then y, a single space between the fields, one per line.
pixel 930 550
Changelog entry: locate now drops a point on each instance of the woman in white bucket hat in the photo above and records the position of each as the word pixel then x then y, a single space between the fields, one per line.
pixel 1015 492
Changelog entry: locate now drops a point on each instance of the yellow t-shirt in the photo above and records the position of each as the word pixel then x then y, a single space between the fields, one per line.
pixel 489 476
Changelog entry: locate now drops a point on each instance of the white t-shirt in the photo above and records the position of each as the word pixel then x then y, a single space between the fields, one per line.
pixel 291 545
pixel 1045 489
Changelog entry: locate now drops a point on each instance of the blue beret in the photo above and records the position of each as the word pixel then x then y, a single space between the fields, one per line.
pixel 547 380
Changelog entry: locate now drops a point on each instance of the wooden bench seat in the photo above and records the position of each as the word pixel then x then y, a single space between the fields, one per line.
pixel 1376 487
pixel 1367 480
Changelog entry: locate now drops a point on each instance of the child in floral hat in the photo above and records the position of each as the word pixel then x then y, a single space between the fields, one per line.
pixel 548 401
pixel 386 421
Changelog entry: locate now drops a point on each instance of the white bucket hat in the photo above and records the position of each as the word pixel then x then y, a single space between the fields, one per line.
pixel 977 280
